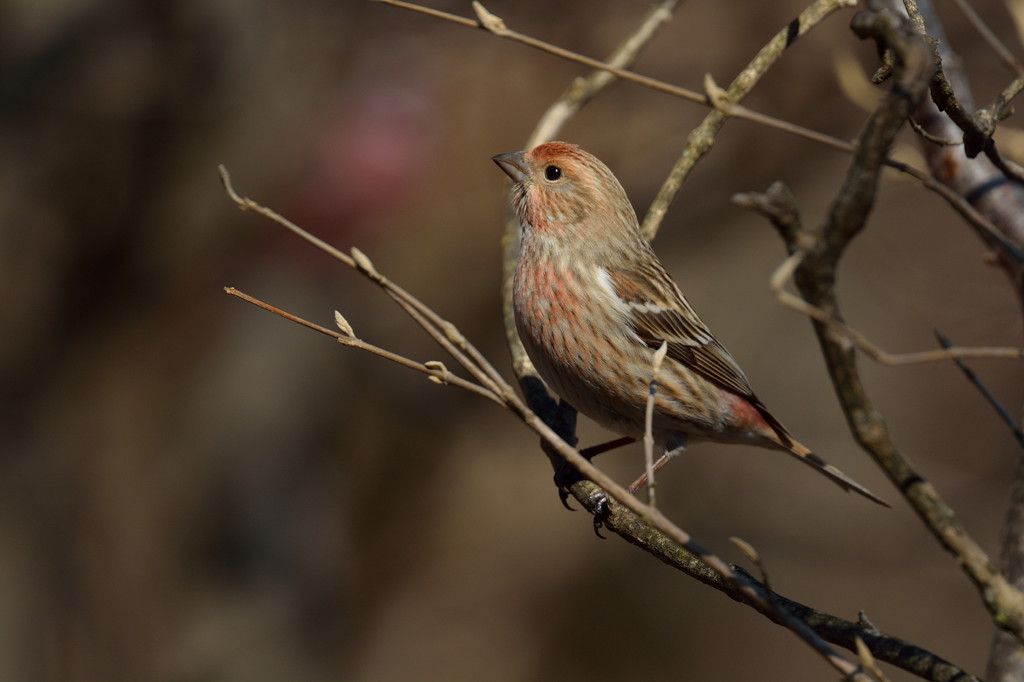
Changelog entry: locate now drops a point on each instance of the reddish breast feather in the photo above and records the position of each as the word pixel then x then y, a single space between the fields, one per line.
pixel 544 295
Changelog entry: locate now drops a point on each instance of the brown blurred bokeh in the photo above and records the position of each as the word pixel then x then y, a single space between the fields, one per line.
pixel 192 489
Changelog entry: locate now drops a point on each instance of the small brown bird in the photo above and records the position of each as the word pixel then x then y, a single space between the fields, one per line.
pixel 592 304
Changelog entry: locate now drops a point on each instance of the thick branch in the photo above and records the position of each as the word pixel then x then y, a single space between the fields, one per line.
pixel 833 629
pixel 978 179
pixel 998 196
pixel 816 279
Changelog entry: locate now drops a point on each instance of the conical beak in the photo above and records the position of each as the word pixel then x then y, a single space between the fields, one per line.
pixel 514 165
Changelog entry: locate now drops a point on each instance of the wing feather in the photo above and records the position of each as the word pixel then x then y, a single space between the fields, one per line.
pixel 658 312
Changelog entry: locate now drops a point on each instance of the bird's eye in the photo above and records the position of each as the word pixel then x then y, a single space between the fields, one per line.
pixel 552 173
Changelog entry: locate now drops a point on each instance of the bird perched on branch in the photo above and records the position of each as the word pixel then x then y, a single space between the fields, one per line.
pixel 593 303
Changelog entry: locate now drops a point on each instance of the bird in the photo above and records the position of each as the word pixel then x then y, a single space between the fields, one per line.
pixel 593 302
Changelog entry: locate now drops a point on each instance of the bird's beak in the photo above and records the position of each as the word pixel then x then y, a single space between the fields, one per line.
pixel 514 165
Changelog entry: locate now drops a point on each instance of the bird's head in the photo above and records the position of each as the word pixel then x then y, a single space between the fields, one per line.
pixel 561 190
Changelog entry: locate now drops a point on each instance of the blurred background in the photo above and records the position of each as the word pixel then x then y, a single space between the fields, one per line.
pixel 193 489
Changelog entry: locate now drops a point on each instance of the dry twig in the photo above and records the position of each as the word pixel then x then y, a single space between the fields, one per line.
pixel 659 357
pixel 702 137
pixel 815 277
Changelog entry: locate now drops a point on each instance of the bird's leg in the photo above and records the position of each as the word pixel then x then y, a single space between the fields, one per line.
pixel 566 474
pixel 673 448
pixel 595 450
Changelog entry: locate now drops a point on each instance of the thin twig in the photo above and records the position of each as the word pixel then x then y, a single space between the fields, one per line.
pixel 498 28
pixel 1003 413
pixel 934 139
pixel 442 331
pixel 615 69
pixel 784 273
pixel 987 34
pixel 702 137
pixel 433 369
pixel 779 206
pixel 583 90
pixel 755 558
pixel 659 357
pixel 979 222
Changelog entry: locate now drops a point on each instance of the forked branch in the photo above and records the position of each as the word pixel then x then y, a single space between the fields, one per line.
pixel 815 256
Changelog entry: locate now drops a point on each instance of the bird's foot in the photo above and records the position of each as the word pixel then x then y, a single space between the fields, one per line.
pixel 566 474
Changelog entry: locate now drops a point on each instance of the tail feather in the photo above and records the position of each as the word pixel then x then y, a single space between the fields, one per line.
pixel 838 477
pixel 781 438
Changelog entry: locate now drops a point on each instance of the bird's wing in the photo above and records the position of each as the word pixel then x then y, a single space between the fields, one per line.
pixel 657 312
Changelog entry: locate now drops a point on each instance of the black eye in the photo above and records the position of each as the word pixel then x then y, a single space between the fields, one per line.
pixel 552 173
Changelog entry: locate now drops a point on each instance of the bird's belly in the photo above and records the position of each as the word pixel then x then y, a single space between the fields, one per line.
pixel 593 361
pixel 582 354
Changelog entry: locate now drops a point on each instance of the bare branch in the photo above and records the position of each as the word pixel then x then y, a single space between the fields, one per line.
pixel 778 205
pixel 986 33
pixel 435 371
pixel 659 357
pixel 989 117
pixel 955 101
pixel 983 181
pixel 785 272
pixel 815 277
pixel 441 330
pixel 1003 413
pixel 702 137
pixel 993 187
pixel 582 91
pixel 497 27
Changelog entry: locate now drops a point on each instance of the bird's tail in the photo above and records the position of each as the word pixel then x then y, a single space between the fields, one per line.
pixel 842 480
pixel 780 438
